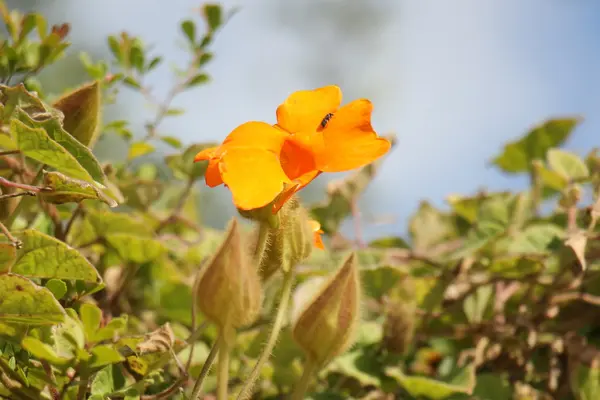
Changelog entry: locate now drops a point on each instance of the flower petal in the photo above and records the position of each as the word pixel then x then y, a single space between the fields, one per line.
pixel 212 177
pixel 349 139
pixel 255 134
pixel 304 110
pixel 253 175
pixel 317 240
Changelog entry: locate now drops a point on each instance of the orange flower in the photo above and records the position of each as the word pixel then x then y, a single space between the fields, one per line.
pixel 261 163
pixel 317 240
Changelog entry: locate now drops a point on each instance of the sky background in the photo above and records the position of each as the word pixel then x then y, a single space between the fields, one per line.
pixel 454 80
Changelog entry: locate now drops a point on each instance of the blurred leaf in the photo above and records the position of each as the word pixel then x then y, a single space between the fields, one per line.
pixel 515 267
pixel 577 241
pixel 199 79
pixel 183 164
pixel 91 316
pixel 477 303
pixel 103 355
pixel 358 365
pixel 135 248
pixel 378 280
pixel 139 149
pixel 189 30
pixel 390 242
pixel 535 239
pixel 115 327
pixel 171 141
pixel 43 351
pixel 213 15
pixel 567 164
pixel 57 287
pixel 429 388
pixel 492 387
pixel 8 254
pixel 62 189
pixel 26 303
pixel 517 156
pixel 43 256
pixel 585 379
pixel 429 227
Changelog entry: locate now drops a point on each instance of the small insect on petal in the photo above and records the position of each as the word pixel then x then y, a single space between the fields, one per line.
pixel 326 120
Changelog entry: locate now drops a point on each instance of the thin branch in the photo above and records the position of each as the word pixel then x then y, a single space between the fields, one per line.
pixel 16 242
pixel 9 152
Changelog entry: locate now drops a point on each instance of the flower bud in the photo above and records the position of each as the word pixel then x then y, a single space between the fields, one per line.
pixel 291 242
pixel 325 327
pixel 81 109
pixel 228 290
pixel 398 328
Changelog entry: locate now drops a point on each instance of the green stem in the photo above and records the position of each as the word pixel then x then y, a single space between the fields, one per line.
pixel 288 282
pixel 223 369
pixel 83 386
pixel 302 386
pixel 11 218
pixel 196 392
pixel 261 243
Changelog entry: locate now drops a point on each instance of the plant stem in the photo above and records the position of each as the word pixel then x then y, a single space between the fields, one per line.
pixel 288 282
pixel 223 369
pixel 205 370
pixel 11 218
pixel 83 385
pixel 302 385
pixel 261 242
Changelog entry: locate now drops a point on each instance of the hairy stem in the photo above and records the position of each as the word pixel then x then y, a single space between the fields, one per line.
pixel 261 242
pixel 302 386
pixel 223 369
pixel 288 282
pixel 196 392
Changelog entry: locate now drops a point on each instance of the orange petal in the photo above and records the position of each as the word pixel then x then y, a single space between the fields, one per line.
pixel 316 227
pixel 349 139
pixel 304 110
pixel 254 176
pixel 206 154
pixel 212 177
pixel 255 134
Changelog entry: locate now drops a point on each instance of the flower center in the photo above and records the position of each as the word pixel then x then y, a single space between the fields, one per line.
pixel 296 158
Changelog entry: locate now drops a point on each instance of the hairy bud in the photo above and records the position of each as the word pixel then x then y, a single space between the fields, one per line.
pixel 228 290
pixel 325 327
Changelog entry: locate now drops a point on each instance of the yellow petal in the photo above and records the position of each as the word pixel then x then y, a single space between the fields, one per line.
pixel 304 110
pixel 254 176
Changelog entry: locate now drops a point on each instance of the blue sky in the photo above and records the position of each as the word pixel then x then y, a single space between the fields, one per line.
pixel 454 79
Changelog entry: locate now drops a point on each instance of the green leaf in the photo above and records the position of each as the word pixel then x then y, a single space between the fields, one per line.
pixel 358 365
pixel 183 164
pixel 139 149
pixel 81 108
pixel 60 189
pixel 43 256
pixel 54 129
pixel 585 380
pixel 492 387
pixel 535 239
pixel 90 316
pixel 199 79
pixel 43 351
pixel 433 389
pixel 477 303
pixel 189 30
pixel 36 144
pixel 378 280
pixel 567 164
pixel 430 226
pixel 517 156
pixel 104 355
pixel 115 327
pixel 106 381
pixel 23 302
pixel 213 16
pixel 57 287
pixel 135 248
pixel 171 141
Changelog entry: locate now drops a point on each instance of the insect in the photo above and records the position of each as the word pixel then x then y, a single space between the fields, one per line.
pixel 326 120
